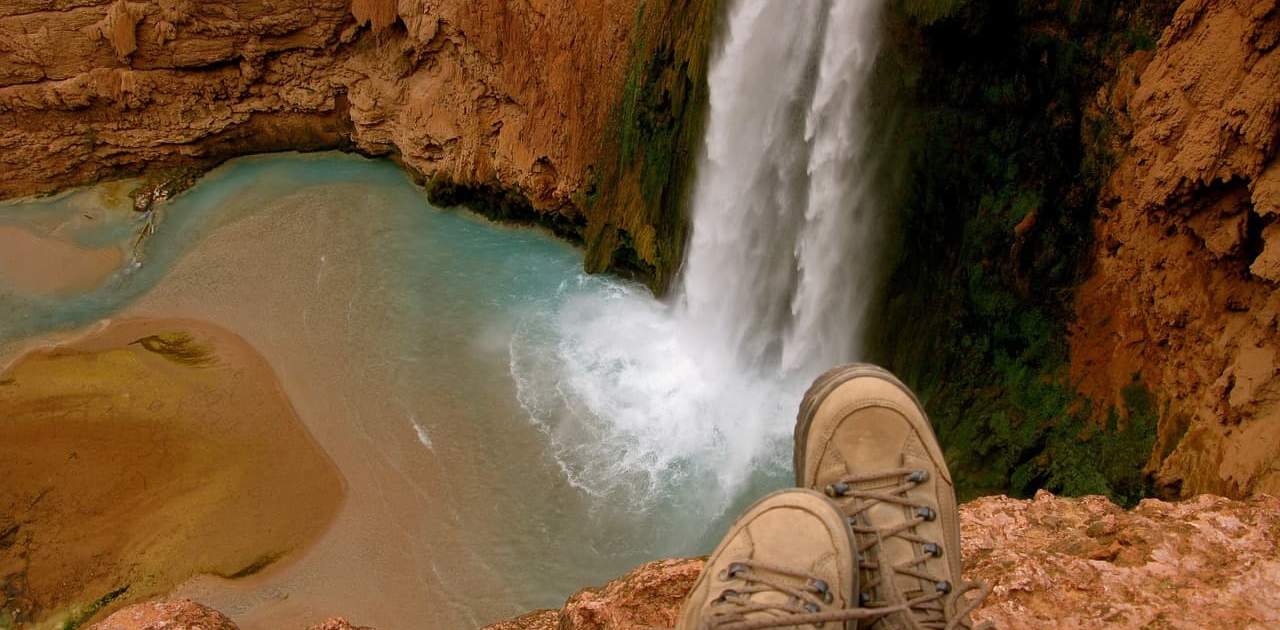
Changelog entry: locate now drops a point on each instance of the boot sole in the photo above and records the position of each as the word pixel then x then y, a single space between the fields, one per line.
pixel 827 383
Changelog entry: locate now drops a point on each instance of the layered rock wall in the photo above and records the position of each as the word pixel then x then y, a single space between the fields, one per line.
pixel 483 94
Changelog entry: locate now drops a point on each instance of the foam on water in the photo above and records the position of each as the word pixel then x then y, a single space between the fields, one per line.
pixel 692 401
pixel 632 410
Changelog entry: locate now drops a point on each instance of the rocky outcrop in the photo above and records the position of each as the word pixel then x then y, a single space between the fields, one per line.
pixel 181 613
pixel 1208 562
pixel 1052 562
pixel 518 97
pixel 647 597
pixel 184 614
pixel 1182 293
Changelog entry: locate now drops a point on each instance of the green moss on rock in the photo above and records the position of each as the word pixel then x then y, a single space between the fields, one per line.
pixel 654 135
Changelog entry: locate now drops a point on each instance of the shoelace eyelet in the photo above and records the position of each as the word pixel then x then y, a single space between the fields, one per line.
pixel 822 588
pixel 735 569
pixel 925 512
pixel 726 594
pixel 932 549
pixel 943 587
pixel 837 489
pixel 812 607
pixel 864 599
pixel 918 476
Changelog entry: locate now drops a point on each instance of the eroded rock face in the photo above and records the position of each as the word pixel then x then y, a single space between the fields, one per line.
pixel 1208 562
pixel 1183 289
pixel 1052 562
pixel 478 92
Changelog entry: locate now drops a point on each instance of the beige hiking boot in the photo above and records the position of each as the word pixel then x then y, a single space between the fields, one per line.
pixel 864 440
pixel 788 562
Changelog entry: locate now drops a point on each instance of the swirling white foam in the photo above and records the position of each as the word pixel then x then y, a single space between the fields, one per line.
pixel 686 401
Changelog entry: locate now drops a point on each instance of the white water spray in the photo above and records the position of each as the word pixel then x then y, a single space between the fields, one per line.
pixel 643 400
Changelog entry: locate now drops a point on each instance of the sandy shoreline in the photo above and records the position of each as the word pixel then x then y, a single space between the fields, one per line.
pixel 142 454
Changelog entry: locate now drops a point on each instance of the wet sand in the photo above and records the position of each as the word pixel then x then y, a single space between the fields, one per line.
pixel 144 453
pixel 47 265
pixel 67 243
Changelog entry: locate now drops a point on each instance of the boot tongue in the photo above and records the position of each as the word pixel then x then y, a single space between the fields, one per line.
pixel 894 550
pixel 774 598
pixel 876 484
pixel 778 538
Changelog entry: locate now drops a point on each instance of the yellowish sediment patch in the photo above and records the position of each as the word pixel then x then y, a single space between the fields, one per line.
pixel 144 454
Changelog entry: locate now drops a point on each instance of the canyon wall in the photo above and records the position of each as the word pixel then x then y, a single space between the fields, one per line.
pixel 1186 260
pixel 1085 292
pixel 519 108
pixel 1088 199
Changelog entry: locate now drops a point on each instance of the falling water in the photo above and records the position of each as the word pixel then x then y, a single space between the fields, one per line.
pixel 687 403
pixel 781 210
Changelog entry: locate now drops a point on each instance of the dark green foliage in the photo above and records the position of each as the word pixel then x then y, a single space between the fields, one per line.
pixel 179 347
pixel 1000 187
pixel 503 204
pixel 83 614
pixel 929 11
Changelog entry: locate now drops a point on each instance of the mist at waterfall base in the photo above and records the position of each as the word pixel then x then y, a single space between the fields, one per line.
pixel 690 403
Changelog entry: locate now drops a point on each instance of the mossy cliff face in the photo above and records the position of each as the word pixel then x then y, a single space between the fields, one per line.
pixel 1085 209
pixel 578 116
pixel 654 136
pixel 1004 153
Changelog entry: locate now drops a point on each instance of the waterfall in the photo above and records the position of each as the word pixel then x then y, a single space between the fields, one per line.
pixel 779 261
pixel 687 402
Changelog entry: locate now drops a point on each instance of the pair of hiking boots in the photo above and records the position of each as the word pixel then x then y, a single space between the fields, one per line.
pixel 870 539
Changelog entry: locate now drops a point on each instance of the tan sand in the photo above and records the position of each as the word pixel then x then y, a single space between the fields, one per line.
pixel 48 265
pixel 144 454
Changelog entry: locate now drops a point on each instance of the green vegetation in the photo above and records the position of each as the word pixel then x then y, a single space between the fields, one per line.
pixel 927 12
pixel 179 347
pixel 654 132
pixel 503 204
pixel 1004 162
pixel 82 614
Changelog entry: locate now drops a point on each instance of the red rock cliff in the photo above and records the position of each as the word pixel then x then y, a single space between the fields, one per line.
pixel 482 93
pixel 1187 258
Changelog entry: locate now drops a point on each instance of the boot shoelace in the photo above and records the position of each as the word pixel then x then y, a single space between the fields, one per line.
pixel 808 604
pixel 929 609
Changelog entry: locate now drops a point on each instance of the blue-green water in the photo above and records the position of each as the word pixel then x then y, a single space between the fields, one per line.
pixel 510 429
